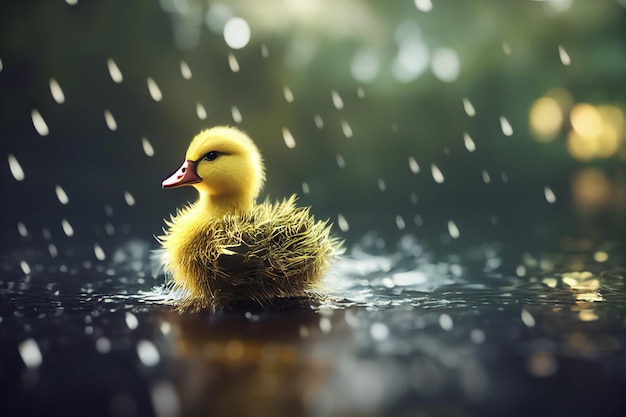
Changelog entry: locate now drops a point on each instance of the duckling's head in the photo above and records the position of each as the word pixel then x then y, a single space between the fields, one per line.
pixel 225 166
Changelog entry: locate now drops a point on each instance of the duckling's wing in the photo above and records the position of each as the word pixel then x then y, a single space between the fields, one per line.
pixel 237 259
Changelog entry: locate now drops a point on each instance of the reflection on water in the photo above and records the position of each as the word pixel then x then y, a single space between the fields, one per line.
pixel 402 330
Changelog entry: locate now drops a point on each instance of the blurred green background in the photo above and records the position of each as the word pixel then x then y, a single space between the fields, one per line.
pixel 520 105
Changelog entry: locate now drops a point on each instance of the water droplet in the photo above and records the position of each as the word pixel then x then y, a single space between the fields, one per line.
pixel 506 48
pixel 16 168
pixel 148 353
pixel 520 271
pixel 424 5
pixel 67 228
pixel 200 111
pixel 527 318
pixel 128 197
pixel 288 94
pixel 564 56
pixel 103 345
pixel 486 177
pixel 165 400
pixel 71 2
pixel 30 353
pixel 236 114
pixel 325 324
pixel 400 222
pixel 99 252
pixel 507 129
pixel 337 101
pixel 342 223
pixel 131 321
pixel 340 161
pixel 52 250
pixel 413 166
pixel 437 174
pixel 147 147
pixel 549 194
pixel 381 184
pixel 468 107
pixel 110 120
pixel 305 188
pixel 232 62
pixel 288 138
pixel 319 122
pixel 379 331
pixel 40 124
pixel 25 267
pixel 445 322
pixel 414 198
pixel 61 195
pixel 21 229
pixel 1 66
pixel 264 51
pixel 236 33
pixel 57 92
pixel 346 129
pixel 185 70
pixel 469 143
pixel 477 336
pixel 453 230
pixel 114 71
pixel 360 92
pixel 153 88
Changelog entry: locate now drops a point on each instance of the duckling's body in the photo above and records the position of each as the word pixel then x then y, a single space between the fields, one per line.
pixel 225 248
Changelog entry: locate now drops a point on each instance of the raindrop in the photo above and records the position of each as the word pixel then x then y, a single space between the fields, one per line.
pixel 103 345
pixel 453 230
pixel 445 322
pixel 99 252
pixel 40 124
pixel 108 210
pixel 342 223
pixel 319 122
pixel 418 220
pixel 565 58
pixel 232 62
pixel 128 197
pixel 200 111
pixel 61 195
pixel 153 88
pixel 46 233
pixel 288 138
pixel 400 222
pixel 424 5
pixel 30 353
pixel 16 168
pixel 109 229
pixel 504 177
pixel 236 33
pixel 486 177
pixel 148 353
pixel 381 184
pixel 21 229
pixel 379 331
pixel 477 336
pixel 305 188
pixel 185 70
pixel 468 107
pixel 437 174
pixel 520 271
pixel 114 71
pixel 288 94
pixel 264 51
pixel 360 92
pixel 1 66
pixel 165 399
pixel 446 65
pixel 414 198
pixel 469 143
pixel 340 161
pixel 527 318
pixel 71 2
pixel 110 120
pixel 507 129
pixel 506 48
pixel 25 267
pixel 549 194
pixel 337 101
pixel 131 321
pixel 52 250
pixel 325 325
pixel 147 147
pixel 347 130
pixel 67 228
pixel 57 92
pixel 236 114
pixel 413 166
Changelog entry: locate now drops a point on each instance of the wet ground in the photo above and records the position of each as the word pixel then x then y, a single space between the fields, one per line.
pixel 403 333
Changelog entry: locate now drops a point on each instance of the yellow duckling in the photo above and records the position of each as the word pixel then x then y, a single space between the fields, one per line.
pixel 225 248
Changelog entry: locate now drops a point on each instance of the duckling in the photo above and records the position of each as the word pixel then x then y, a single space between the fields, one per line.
pixel 225 248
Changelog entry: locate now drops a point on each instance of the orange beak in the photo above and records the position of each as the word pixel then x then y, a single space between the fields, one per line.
pixel 186 175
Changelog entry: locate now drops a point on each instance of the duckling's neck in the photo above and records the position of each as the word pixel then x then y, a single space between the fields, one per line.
pixel 221 205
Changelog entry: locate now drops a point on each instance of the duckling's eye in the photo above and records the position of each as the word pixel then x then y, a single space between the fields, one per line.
pixel 211 156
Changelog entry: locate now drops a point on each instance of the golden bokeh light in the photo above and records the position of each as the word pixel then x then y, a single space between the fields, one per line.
pixel 586 120
pixel 591 189
pixel 546 119
pixel 597 132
